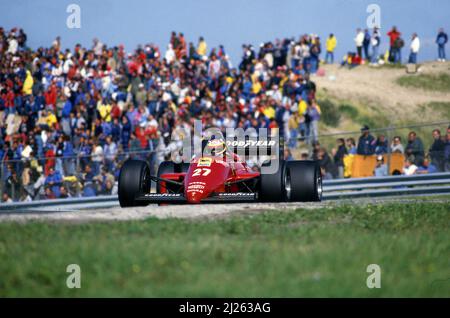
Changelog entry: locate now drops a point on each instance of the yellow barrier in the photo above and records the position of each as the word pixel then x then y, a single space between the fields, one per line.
pixel 358 166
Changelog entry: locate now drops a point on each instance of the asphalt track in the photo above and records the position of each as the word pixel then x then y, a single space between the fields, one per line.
pixel 113 212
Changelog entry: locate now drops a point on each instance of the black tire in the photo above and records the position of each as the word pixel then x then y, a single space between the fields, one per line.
pixel 303 181
pixel 134 178
pixel 272 186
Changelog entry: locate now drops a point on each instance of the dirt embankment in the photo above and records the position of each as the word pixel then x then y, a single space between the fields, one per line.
pixel 376 87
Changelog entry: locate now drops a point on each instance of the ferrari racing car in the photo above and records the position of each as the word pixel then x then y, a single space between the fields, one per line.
pixel 210 178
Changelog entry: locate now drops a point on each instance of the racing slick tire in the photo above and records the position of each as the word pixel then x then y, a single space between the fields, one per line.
pixel 134 178
pixel 303 181
pixel 272 186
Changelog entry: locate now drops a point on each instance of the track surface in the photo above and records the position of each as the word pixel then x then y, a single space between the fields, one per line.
pixel 76 214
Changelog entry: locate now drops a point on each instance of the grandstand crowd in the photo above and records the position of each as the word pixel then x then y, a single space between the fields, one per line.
pixel 69 118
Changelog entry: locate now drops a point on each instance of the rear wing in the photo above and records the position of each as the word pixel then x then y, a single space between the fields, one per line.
pixel 254 147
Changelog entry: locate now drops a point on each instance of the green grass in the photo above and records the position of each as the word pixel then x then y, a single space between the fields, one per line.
pixel 440 107
pixel 303 253
pixel 330 112
pixel 439 82
pixel 349 110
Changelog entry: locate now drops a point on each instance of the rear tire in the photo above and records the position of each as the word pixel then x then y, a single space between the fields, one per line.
pixel 134 178
pixel 272 186
pixel 304 181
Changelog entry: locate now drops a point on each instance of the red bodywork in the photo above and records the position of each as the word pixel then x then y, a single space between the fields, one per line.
pixel 208 175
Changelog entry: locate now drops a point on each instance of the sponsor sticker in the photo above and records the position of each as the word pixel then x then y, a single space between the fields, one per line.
pixel 251 143
pixel 236 194
pixel 204 162
pixel 196 186
pixel 158 195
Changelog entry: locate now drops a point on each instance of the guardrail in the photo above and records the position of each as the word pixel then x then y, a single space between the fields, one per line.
pixel 436 183
pixel 83 202
pixel 423 184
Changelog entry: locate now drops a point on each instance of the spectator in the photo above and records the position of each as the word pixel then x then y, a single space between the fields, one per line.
pixel 437 151
pixel 13 185
pixel 415 46
pixel 447 151
pixel 399 44
pixel 410 168
pixel 64 193
pixel 375 42
pixel 396 145
pixel 366 44
pixel 312 117
pixel 351 60
pixel 394 35
pixel 326 164
pixel 366 143
pixel 351 146
pixel 6 198
pixel 315 50
pixel 68 157
pixel 427 166
pixel 381 169
pixel 97 157
pixel 53 183
pixel 202 47
pixel 288 154
pixel 441 41
pixel 381 145
pixel 415 149
pixel 359 40
pixel 87 179
pixel 338 156
pixel 293 125
pixel 101 180
pixel 49 195
pixel 331 46
pixel 110 153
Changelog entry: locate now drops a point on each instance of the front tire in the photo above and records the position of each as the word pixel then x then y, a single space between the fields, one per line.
pixel 304 181
pixel 134 178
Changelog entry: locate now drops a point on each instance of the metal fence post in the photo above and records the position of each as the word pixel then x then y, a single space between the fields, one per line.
pixel 2 184
pixel 77 175
pixel 389 137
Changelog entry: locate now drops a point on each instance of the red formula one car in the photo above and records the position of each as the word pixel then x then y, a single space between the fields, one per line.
pixel 214 178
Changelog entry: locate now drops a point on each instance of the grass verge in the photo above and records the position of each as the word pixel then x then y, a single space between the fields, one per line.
pixel 432 82
pixel 303 253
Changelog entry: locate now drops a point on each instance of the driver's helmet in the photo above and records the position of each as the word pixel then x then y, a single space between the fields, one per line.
pixel 215 147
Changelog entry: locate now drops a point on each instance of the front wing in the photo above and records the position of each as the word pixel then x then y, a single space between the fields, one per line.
pixel 178 198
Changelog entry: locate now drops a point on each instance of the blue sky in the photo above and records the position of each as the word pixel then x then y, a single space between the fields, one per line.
pixel 227 22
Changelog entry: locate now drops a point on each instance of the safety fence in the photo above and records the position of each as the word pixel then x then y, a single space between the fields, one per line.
pixel 352 154
pixel 53 177
pixel 30 179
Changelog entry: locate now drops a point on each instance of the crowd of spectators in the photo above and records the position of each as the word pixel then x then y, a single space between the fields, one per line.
pixel 69 118
pixel 418 159
pixel 368 43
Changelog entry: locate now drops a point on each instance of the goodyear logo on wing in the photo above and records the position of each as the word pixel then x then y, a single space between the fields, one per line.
pixel 204 162
pixel 251 143
pixel 158 195
pixel 236 194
